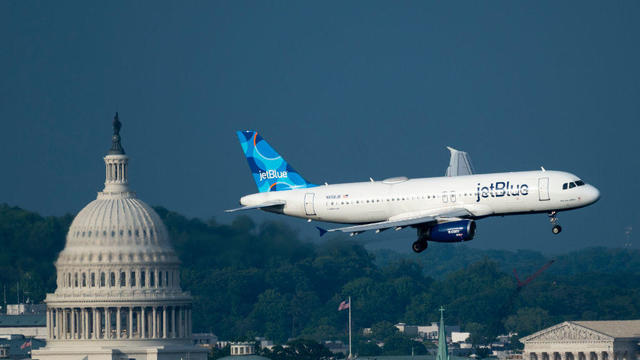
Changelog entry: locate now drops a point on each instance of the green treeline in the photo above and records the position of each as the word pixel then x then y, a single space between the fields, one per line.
pixel 261 280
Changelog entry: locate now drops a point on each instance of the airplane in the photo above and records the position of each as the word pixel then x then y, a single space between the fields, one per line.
pixel 441 209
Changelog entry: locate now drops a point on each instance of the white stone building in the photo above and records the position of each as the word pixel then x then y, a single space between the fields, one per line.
pixel 585 340
pixel 118 290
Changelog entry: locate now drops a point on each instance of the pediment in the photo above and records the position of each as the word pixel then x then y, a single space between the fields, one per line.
pixel 566 332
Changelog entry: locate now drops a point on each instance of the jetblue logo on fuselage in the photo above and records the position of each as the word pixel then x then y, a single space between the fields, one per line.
pixel 272 174
pixel 500 189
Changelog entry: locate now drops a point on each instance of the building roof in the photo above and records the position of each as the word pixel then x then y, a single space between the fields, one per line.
pixel 571 331
pixel 614 328
pixel 23 320
pixel 244 357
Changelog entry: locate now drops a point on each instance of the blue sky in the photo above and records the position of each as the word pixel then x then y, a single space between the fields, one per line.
pixel 343 90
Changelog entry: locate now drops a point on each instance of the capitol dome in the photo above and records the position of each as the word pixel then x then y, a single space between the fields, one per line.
pixel 118 280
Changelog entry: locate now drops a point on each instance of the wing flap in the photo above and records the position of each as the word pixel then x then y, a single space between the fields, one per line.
pixel 408 219
pixel 264 205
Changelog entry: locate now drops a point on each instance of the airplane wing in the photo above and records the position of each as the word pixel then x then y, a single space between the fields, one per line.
pixel 459 164
pixel 400 222
pixel 267 204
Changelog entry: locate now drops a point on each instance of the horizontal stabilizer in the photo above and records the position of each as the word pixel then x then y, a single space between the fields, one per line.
pixel 267 204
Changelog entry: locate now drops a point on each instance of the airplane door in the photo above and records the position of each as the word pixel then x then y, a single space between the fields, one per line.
pixel 308 204
pixel 543 188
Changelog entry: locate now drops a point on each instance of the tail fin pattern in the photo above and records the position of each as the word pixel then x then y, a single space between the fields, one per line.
pixel 270 171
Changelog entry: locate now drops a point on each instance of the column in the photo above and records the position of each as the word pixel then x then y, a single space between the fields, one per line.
pixel 48 324
pixel 142 329
pixel 95 324
pixel 164 322
pixel 173 322
pixel 85 323
pixel 189 322
pixel 107 322
pixel 180 327
pixel 64 323
pixel 154 322
pixel 139 320
pixel 130 330
pixel 118 324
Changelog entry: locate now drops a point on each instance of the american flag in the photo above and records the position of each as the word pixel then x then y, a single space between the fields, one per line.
pixel 344 305
pixel 25 345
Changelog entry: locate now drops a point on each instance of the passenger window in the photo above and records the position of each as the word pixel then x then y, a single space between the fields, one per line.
pixel 572 185
pixel 564 186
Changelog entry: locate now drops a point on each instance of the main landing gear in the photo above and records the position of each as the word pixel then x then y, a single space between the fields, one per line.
pixel 556 229
pixel 420 245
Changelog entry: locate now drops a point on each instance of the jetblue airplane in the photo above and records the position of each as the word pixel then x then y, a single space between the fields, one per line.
pixel 442 209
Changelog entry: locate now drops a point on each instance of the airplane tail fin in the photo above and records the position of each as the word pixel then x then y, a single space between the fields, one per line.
pixel 270 171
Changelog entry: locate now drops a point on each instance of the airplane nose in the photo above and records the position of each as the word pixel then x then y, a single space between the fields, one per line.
pixel 593 194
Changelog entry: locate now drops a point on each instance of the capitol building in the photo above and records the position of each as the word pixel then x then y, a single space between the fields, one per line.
pixel 118 294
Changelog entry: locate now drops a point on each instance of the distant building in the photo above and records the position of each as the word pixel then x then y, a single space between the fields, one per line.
pixel 585 340
pixel 206 340
pixel 243 348
pixel 426 331
pixel 26 309
pixel 26 325
pixel 336 347
pixel 459 337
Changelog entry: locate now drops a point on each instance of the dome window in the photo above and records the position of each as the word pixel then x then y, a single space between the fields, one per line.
pixel 102 279
pixel 123 280
pixel 83 234
pixel 93 279
pixel 84 280
pixel 113 233
pixel 129 232
pixel 121 232
pixel 112 279
pixel 104 233
pixel 137 233
pixel 142 279
pixel 132 279
pixel 89 234
pixel 160 278
pixel 152 279
pixel 75 279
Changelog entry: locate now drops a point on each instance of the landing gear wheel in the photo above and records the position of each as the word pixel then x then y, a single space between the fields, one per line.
pixel 556 229
pixel 419 246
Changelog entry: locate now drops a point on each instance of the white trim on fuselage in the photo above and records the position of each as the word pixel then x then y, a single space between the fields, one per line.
pixel 483 194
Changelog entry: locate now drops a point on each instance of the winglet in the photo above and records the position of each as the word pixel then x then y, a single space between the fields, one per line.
pixel 321 230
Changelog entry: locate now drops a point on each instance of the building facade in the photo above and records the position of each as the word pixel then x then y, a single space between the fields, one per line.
pixel 585 340
pixel 118 292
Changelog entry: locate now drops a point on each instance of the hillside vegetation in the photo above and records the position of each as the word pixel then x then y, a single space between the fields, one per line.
pixel 252 279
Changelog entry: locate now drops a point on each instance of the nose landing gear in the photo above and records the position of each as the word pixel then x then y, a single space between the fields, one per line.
pixel 420 245
pixel 556 229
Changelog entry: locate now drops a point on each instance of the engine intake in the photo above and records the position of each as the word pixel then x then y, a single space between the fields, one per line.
pixel 453 231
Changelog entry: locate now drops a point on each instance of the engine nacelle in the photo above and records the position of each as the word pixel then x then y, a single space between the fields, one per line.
pixel 453 231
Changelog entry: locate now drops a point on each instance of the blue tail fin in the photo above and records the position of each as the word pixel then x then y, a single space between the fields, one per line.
pixel 270 171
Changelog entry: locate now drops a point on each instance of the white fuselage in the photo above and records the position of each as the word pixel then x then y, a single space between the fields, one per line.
pixel 483 195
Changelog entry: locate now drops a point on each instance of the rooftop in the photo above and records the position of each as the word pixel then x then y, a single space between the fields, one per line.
pixel 23 320
pixel 614 328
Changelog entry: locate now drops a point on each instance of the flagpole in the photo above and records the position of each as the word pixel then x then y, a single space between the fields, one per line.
pixel 350 354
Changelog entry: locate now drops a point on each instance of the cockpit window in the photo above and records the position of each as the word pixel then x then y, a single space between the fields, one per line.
pixel 579 182
pixel 572 185
pixel 564 186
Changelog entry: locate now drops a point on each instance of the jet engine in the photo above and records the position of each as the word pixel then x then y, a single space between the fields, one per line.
pixel 452 231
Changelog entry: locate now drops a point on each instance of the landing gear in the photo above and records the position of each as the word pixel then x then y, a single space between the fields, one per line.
pixel 556 229
pixel 419 245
